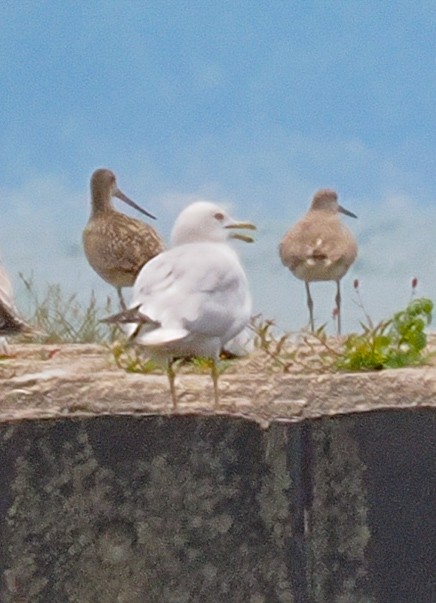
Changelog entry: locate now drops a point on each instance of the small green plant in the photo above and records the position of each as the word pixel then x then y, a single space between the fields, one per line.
pixel 275 346
pixel 131 359
pixel 204 365
pixel 394 343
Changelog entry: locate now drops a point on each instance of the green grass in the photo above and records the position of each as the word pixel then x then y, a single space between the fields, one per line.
pixel 59 318
pixel 392 343
pixel 275 345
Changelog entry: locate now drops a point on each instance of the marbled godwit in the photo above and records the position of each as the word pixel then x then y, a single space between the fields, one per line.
pixel 319 247
pixel 117 246
pixel 10 322
pixel 193 298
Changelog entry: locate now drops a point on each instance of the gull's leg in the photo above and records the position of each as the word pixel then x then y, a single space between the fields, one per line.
pixel 310 305
pixel 121 298
pixel 171 378
pixel 338 305
pixel 215 375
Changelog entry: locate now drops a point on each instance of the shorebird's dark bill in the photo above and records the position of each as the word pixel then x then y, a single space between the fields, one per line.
pixel 346 212
pixel 123 197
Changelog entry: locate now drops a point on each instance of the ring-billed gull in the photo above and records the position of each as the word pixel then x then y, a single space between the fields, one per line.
pixel 193 298
pixel 117 246
pixel 319 247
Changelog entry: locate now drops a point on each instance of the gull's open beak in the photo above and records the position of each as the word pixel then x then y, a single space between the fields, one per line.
pixel 120 195
pixel 346 212
pixel 237 235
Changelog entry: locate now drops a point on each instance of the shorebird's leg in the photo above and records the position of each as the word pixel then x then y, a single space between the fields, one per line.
pixel 215 375
pixel 310 305
pixel 4 347
pixel 121 298
pixel 338 305
pixel 171 378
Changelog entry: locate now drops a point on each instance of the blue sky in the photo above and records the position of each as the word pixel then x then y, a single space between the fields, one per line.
pixel 252 104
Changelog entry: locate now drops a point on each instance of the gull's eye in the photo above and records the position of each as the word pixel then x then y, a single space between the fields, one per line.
pixel 219 216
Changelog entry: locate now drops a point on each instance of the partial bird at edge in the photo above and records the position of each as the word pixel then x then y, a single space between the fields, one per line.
pixel 10 321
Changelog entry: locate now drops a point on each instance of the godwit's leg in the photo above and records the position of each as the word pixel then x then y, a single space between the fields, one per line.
pixel 171 378
pixel 121 298
pixel 310 306
pixel 338 305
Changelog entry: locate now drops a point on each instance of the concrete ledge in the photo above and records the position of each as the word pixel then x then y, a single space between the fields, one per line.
pixel 81 381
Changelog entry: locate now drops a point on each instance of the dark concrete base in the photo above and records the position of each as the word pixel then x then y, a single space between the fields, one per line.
pixel 207 510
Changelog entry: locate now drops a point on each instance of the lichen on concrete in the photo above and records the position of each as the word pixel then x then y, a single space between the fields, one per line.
pixel 339 530
pixel 159 513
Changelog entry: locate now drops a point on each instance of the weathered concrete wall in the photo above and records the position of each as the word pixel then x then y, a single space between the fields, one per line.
pixel 211 509
pixel 267 500
pixel 176 510
pixel 142 510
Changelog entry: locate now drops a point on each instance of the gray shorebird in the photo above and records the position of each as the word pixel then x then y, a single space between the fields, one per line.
pixel 193 298
pixel 117 246
pixel 10 321
pixel 319 247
